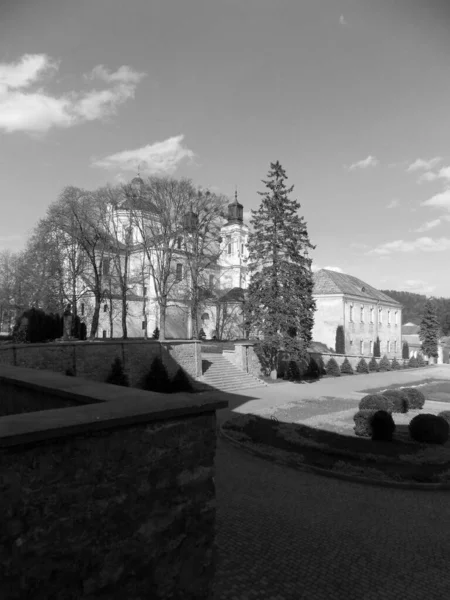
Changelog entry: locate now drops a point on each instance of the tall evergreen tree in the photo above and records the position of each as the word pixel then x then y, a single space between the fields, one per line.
pixel 377 348
pixel 340 340
pixel 405 350
pixel 280 303
pixel 429 330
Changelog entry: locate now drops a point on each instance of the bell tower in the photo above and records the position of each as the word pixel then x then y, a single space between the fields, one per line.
pixel 234 254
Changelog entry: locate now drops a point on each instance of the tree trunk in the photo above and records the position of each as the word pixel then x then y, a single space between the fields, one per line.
pixel 95 319
pixel 162 320
pixel 124 317
pixel 111 320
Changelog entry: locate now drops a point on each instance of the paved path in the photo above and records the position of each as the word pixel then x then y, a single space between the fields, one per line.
pixel 287 535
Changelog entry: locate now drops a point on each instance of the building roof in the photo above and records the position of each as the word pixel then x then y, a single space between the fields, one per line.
pixel 410 329
pixel 332 282
pixel 412 339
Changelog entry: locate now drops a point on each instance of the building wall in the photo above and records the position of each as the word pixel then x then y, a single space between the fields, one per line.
pixel 329 314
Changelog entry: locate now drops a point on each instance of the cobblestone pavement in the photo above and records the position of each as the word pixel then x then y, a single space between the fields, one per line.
pixel 287 535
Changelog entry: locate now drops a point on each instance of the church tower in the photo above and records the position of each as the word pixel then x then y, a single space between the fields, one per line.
pixel 234 255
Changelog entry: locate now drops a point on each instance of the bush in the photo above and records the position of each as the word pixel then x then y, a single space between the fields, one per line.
pixel 445 414
pixel 412 363
pixel 117 376
pixel 181 382
pixel 420 360
pixel 373 365
pixel 332 368
pixel 429 429
pixel 383 426
pixel 405 350
pixel 155 334
pixel 416 399
pixel 70 372
pixel 346 367
pixel 315 367
pixel 376 402
pixel 363 425
pixel 384 364
pixel 395 365
pixel 340 340
pixel 362 366
pixel 400 400
pixel 83 331
pixel 377 348
pixel 293 371
pixel 157 379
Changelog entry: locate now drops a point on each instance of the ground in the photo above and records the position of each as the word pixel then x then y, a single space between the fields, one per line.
pixel 289 535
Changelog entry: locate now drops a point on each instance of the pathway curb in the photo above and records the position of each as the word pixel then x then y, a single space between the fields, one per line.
pixel 266 455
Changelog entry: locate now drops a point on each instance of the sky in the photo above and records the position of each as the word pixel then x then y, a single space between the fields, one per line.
pixel 351 96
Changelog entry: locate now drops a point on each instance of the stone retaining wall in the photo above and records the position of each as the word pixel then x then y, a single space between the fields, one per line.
pixel 109 500
pixel 92 360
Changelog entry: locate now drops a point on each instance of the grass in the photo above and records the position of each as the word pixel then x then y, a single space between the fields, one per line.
pixel 399 460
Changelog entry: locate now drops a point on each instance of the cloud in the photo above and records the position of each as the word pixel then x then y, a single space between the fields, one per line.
pixel 428 225
pixel 370 161
pixel 160 157
pixel 35 110
pixel 443 173
pixel 416 285
pixel 441 200
pixel 393 203
pixel 424 244
pixel 424 164
pixel 342 20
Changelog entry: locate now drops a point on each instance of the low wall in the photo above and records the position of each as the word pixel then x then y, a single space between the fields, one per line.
pixel 353 359
pixel 92 359
pixel 110 498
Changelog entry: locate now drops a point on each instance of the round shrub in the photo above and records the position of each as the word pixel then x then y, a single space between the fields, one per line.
pixel 332 368
pixel 416 399
pixel 384 364
pixel 383 426
pixel 346 367
pixel 373 365
pixel 429 429
pixel 445 414
pixel 362 366
pixel 395 365
pixel 363 426
pixel 412 363
pixel 376 402
pixel 400 400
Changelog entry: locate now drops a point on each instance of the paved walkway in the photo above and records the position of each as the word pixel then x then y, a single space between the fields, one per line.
pixel 288 535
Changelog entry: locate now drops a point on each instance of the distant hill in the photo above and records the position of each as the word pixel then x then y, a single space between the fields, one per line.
pixel 413 305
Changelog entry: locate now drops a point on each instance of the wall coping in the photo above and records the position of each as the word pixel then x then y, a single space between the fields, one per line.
pixel 96 341
pixel 113 406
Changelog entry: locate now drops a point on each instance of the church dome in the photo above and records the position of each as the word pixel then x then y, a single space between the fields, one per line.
pixel 235 211
pixel 137 185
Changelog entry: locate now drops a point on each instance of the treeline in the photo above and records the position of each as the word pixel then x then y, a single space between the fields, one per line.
pixel 414 305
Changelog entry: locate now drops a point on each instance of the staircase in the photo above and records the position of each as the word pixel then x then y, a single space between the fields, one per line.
pixel 221 374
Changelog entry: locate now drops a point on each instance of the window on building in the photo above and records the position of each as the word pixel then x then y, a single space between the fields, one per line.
pixel 144 290
pixel 105 308
pixel 388 345
pixel 396 317
pixel 242 248
pixel 351 312
pixel 104 333
pixel 351 344
pixel 229 249
pixel 362 313
pixel 380 315
pixel 179 275
pixel 389 317
pixel 105 266
pixel 395 345
pixel 82 309
pixel 361 347
pixel 371 314
pixel 211 281
pixel 179 240
pixel 371 346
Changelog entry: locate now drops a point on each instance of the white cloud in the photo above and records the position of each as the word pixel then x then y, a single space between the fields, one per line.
pixel 37 110
pixel 160 157
pixel 441 200
pixel 342 20
pixel 427 176
pixel 424 164
pixel 370 161
pixel 393 203
pixel 416 285
pixel 443 173
pixel 424 244
pixel 428 225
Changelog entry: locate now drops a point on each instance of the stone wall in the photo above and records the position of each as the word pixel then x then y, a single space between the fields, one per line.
pixel 113 500
pixel 353 359
pixel 92 360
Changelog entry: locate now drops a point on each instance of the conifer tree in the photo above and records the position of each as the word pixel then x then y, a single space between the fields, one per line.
pixel 340 340
pixel 280 303
pixel 429 330
pixel 405 350
pixel 376 348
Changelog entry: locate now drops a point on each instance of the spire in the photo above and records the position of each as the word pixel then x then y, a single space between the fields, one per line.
pixel 235 210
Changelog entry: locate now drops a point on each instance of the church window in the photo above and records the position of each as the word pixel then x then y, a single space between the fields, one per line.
pixel 396 318
pixel 362 313
pixel 144 290
pixel 351 312
pixel 351 344
pixel 179 240
pixel 229 248
pixel 395 346
pixel 242 248
pixel 104 334
pixel 179 275
pixel 105 266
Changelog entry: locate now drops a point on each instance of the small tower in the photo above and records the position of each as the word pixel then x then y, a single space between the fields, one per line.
pixel 235 211
pixel 234 255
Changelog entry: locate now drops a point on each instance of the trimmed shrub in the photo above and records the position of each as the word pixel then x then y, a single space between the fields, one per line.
pixel 420 360
pixel 117 375
pixel 373 365
pixel 181 382
pixel 429 429
pixel 83 331
pixel 346 367
pixel 340 340
pixel 383 426
pixel 376 402
pixel 395 365
pixel 416 399
pixel 412 363
pixel 293 371
pixel 332 368
pixel 384 364
pixel 155 334
pixel 362 366
pixel 315 367
pixel 157 379
pixel 363 426
pixel 400 400
pixel 445 414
